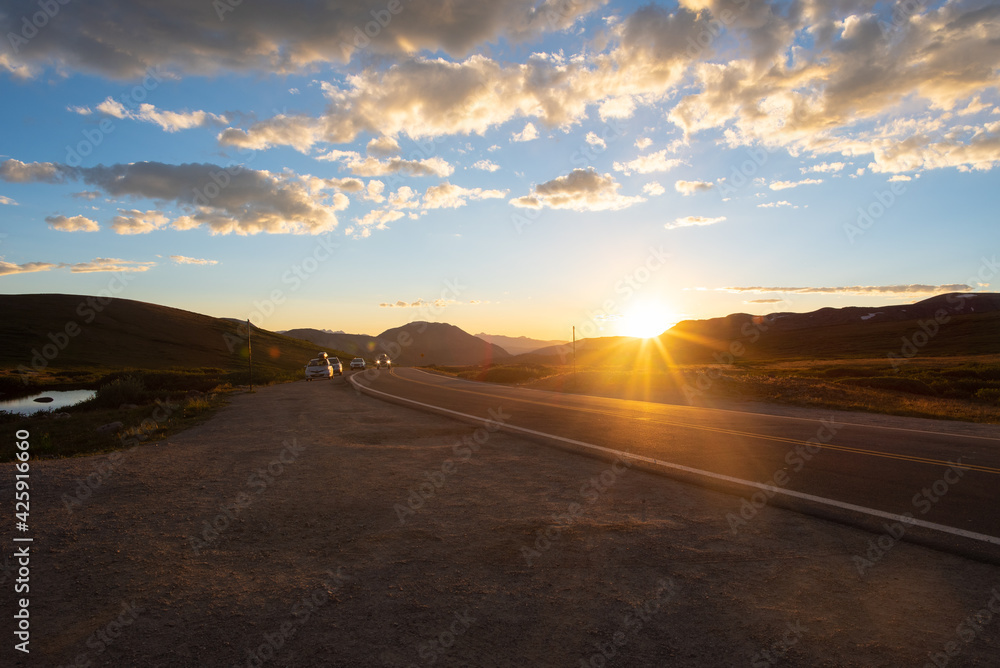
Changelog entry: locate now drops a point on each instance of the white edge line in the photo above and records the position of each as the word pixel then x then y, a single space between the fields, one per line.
pixel 728 410
pixel 912 521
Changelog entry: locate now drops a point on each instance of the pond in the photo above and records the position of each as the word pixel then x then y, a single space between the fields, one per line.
pixel 60 400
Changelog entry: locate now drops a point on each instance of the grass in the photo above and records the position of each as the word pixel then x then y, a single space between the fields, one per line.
pixel 954 388
pixel 158 416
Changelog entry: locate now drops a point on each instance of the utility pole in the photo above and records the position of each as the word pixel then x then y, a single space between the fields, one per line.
pixel 574 356
pixel 249 355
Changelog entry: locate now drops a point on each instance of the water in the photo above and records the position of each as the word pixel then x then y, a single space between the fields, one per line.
pixel 60 400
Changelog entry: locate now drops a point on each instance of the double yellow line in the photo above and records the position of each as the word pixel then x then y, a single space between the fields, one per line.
pixel 719 430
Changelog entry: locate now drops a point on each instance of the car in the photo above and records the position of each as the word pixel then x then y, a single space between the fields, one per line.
pixel 357 363
pixel 319 367
pixel 338 368
pixel 383 362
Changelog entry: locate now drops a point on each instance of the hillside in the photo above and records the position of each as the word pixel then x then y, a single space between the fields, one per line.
pixel 356 345
pixel 963 324
pixel 426 343
pixel 57 333
pixel 518 345
pixel 414 344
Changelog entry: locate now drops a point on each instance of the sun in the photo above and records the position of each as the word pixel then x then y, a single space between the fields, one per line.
pixel 647 320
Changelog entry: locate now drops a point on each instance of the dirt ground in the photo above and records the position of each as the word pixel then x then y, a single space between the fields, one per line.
pixel 350 532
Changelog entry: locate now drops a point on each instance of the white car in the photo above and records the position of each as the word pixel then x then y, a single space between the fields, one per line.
pixel 319 367
pixel 338 368
pixel 357 363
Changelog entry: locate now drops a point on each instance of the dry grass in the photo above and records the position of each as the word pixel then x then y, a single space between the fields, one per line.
pixel 954 388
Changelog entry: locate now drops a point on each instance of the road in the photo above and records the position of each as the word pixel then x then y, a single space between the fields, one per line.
pixel 949 483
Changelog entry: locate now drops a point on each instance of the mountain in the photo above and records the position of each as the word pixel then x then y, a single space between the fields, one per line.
pixel 357 345
pixel 426 343
pixel 57 332
pixel 950 324
pixel 517 345
pixel 415 344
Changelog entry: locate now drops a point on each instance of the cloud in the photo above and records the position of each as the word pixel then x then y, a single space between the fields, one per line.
pixel 693 221
pixel 825 167
pixel 580 190
pixel 764 301
pixel 170 121
pixel 181 259
pixel 15 171
pixel 423 303
pixel 369 166
pixel 449 196
pixel 227 200
pixel 915 289
pixel 87 195
pixel 775 205
pixel 291 37
pixel 646 164
pixel 653 188
pixel 74 224
pixel 8 268
pixel 527 134
pixel 642 143
pixel 691 187
pixel 486 165
pixel 785 185
pixel 109 264
pixel 858 89
pixel 7 201
pixel 138 222
pixel 383 147
pixel 899 177
pixel 594 140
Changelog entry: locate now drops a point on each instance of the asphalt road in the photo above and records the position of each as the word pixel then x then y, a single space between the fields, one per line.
pixel 948 482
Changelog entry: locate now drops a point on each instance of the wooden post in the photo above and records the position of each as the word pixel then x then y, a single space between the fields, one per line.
pixel 249 355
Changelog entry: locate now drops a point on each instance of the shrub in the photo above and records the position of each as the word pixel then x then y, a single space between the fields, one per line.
pixel 126 390
pixel 892 383
pixel 989 394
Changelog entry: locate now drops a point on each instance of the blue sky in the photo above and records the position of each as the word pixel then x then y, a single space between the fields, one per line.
pixel 515 167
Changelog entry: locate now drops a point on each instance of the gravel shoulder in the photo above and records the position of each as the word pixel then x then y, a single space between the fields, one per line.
pixel 306 524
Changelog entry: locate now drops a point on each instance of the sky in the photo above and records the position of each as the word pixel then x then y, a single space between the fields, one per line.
pixel 515 167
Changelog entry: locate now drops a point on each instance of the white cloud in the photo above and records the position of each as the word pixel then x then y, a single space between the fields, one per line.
pixel 74 224
pixel 181 259
pixel 449 196
pixel 693 221
pixel 486 165
pixel 383 147
pixel 594 140
pixel 642 143
pixel 691 187
pixel 824 167
pixel 109 264
pixel 785 185
pixel 899 177
pixel 646 164
pixel 580 190
pixel 529 133
pixel 170 121
pixel 653 188
pixel 133 221
pixel 7 201
pixel 369 166
pixel 775 205
pixel 374 191
pixel 9 268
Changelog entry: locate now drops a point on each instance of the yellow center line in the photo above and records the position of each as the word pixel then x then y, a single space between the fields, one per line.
pixel 720 430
